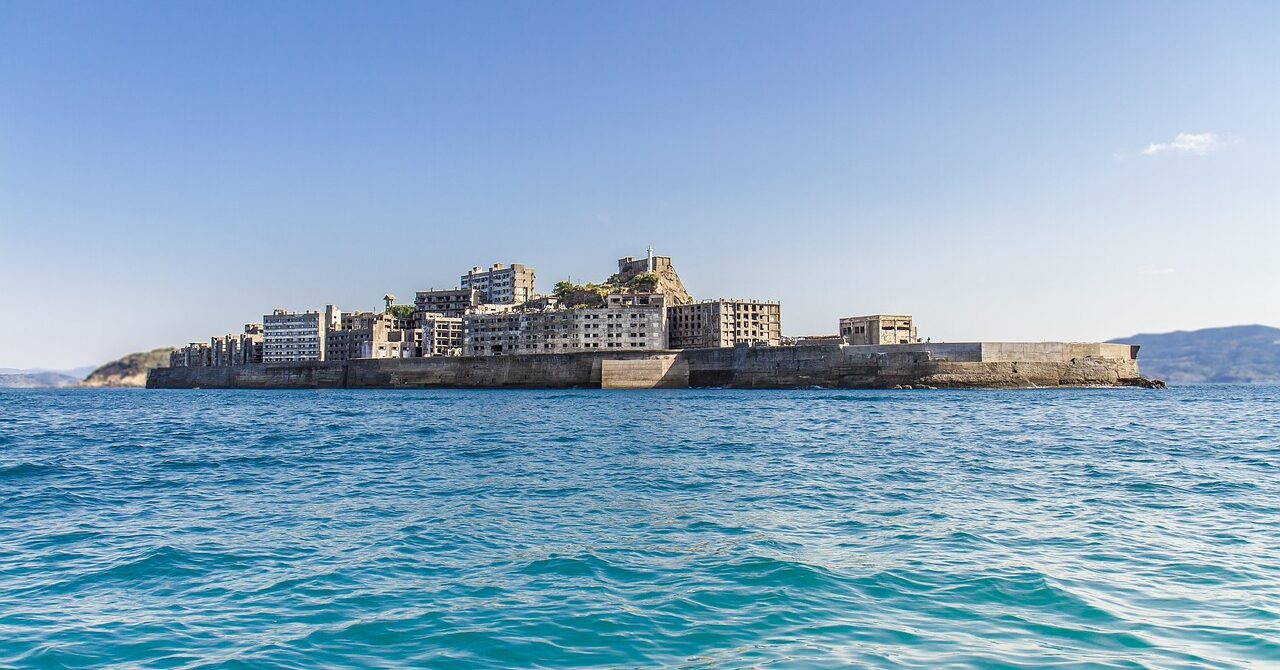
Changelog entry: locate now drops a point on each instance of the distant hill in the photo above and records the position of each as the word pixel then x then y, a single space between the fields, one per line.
pixel 37 380
pixel 78 373
pixel 130 370
pixel 1235 354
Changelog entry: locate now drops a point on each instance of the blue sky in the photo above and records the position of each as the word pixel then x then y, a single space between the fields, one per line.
pixel 1026 171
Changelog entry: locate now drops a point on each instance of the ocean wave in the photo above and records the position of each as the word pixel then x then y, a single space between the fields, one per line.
pixel 694 529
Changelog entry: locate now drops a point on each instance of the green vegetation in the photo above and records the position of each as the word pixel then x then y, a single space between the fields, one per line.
pixel 401 311
pixel 593 295
pixel 582 295
pixel 644 282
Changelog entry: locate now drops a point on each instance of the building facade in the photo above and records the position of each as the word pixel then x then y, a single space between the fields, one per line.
pixel 879 329
pixel 501 284
pixel 441 335
pixel 237 349
pixel 194 355
pixel 449 302
pixel 373 335
pixel 627 321
pixel 297 336
pixel 725 323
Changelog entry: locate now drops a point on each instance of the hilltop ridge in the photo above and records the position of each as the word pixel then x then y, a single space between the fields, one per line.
pixel 130 370
pixel 1225 355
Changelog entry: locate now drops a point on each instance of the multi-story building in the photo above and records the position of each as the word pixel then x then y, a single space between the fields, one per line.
pixel 879 329
pixel 449 302
pixel 194 355
pixel 725 323
pixel 373 335
pixel 501 284
pixel 627 321
pixel 392 343
pixel 441 335
pixel 237 349
pixel 297 336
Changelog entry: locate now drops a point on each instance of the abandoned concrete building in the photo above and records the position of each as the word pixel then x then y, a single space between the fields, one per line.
pixel 725 323
pixel 879 329
pixel 630 321
pixel 500 284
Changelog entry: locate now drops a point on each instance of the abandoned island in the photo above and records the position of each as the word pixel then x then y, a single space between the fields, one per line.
pixel 637 329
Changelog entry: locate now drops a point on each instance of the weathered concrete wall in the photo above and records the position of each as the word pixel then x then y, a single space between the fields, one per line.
pixel 666 371
pixel 985 364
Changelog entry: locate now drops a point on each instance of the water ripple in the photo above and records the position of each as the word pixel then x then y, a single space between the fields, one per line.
pixel 701 528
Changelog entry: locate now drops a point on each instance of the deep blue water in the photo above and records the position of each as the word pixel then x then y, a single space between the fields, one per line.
pixel 703 529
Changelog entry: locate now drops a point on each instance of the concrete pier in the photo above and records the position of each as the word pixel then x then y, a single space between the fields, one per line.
pixel 941 365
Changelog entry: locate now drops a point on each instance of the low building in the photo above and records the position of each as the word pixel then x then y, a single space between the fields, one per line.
pixel 811 340
pixel 297 336
pixel 501 284
pixel 626 321
pixel 879 329
pixel 392 343
pixel 725 323
pixel 449 302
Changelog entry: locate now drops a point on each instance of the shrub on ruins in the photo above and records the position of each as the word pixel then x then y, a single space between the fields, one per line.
pixel 645 282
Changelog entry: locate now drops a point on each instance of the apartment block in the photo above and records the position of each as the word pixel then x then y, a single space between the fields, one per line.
pixel 372 335
pixel 879 329
pixel 297 336
pixel 501 284
pixel 242 348
pixel 449 302
pixel 194 355
pixel 725 323
pixel 627 321
pixel 441 335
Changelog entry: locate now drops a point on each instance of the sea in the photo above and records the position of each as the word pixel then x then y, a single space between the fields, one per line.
pixel 1081 528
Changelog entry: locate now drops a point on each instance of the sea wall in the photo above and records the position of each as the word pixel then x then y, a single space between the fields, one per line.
pixel 976 364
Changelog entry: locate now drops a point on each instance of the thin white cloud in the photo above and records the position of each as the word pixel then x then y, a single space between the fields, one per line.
pixel 1198 144
pixel 1156 271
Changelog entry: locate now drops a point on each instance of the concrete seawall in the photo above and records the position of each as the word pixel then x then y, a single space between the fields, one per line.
pixel 942 365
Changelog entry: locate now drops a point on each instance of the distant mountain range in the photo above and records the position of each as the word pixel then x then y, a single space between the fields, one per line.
pixel 130 370
pixel 1234 354
pixel 78 373
pixel 37 380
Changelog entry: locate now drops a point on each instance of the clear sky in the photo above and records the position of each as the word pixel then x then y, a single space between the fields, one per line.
pixel 1014 170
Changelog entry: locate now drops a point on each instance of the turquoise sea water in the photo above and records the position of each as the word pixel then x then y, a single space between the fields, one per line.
pixel 701 529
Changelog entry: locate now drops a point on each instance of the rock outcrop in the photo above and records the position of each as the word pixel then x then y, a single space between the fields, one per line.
pixel 664 280
pixel 129 371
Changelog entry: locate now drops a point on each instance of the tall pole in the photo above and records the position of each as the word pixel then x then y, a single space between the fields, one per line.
pixel 650 258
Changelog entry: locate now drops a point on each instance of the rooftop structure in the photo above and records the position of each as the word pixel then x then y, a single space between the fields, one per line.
pixel 449 302
pixel 668 282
